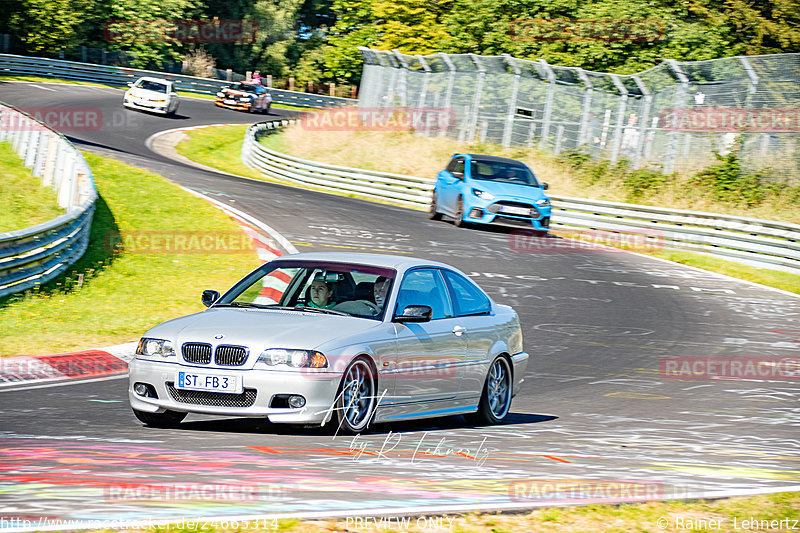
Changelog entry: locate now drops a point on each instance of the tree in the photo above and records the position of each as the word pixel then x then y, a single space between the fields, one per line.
pixel 49 26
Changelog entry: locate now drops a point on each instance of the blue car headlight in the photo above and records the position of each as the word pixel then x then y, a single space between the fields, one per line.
pixel 483 195
pixel 543 202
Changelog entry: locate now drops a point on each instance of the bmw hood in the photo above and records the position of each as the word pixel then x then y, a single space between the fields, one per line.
pixel 260 328
pixel 510 190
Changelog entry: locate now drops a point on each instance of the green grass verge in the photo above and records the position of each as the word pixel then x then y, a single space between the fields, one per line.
pixel 23 200
pixel 733 514
pixel 218 147
pixel 221 147
pixel 112 296
pixel 771 278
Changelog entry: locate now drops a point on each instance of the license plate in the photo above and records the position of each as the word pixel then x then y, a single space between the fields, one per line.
pixel 209 382
pixel 229 102
pixel 512 210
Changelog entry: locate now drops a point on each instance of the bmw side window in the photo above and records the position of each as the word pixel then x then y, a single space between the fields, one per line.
pixel 424 286
pixel 467 298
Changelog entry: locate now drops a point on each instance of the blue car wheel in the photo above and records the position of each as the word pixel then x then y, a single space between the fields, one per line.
pixel 458 217
pixel 433 212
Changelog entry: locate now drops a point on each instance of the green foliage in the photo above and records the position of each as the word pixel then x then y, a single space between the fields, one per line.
pixel 47 27
pixel 728 184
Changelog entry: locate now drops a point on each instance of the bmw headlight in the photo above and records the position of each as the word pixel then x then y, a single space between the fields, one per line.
pixel 295 358
pixel 543 202
pixel 483 195
pixel 221 94
pixel 153 347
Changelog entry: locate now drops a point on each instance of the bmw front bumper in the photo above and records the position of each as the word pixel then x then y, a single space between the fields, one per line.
pixel 260 390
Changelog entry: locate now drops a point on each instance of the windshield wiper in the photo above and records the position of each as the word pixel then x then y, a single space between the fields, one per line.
pixel 242 304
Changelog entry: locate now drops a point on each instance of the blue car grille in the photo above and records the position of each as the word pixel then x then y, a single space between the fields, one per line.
pixel 497 207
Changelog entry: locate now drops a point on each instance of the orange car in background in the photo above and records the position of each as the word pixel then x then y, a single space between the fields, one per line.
pixel 245 96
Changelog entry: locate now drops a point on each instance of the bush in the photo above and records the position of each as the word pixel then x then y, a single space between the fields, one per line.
pixel 199 63
pixel 727 183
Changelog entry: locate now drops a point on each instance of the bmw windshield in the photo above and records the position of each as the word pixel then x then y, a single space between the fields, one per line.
pixel 328 288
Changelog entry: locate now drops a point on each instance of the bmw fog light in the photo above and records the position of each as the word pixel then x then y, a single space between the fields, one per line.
pixel 296 401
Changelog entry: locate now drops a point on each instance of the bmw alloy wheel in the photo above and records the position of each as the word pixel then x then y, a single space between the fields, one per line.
pixel 356 400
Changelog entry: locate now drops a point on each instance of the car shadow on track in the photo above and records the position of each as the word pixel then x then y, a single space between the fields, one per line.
pixel 263 426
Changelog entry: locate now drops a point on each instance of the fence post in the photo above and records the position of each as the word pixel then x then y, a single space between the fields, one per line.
pixel 643 120
pixel 548 104
pixel 623 101
pixel 476 101
pixel 424 92
pixel 403 74
pixel 512 102
pixel 680 102
pixel 587 106
pixel 448 95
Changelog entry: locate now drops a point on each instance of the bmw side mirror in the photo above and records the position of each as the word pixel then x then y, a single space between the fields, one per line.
pixel 209 297
pixel 545 185
pixel 415 313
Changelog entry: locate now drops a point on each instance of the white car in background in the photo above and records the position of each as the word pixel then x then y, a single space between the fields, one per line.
pixel 152 94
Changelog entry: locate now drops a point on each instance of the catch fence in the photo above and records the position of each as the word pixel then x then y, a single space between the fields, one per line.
pixel 673 117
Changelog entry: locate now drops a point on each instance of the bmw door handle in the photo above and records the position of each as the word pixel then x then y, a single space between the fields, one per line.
pixel 459 330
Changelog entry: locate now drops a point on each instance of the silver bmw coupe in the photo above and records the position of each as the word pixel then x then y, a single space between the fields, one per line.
pixel 330 338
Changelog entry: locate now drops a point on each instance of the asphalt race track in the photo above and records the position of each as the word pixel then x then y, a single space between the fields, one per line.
pixel 598 417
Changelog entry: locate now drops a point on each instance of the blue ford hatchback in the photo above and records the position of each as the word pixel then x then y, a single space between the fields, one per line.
pixel 484 189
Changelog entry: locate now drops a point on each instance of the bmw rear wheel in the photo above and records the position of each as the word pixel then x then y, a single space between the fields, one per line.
pixel 433 212
pixel 496 396
pixel 356 400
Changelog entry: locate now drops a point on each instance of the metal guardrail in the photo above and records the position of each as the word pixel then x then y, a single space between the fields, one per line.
pixel 35 255
pixel 13 65
pixel 408 191
pixel 762 243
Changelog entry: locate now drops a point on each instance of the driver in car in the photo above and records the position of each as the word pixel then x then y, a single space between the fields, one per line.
pixel 321 294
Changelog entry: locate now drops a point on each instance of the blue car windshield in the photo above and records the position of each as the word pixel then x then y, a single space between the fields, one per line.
pixel 503 172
